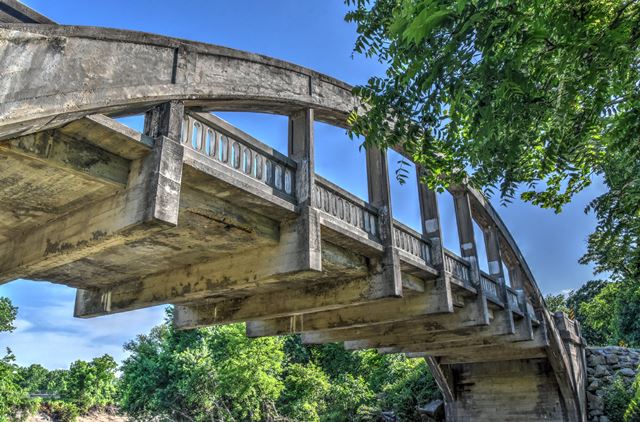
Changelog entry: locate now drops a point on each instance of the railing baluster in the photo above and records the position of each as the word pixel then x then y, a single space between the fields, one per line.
pixel 244 155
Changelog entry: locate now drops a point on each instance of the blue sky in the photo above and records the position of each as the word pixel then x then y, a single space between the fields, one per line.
pixel 311 33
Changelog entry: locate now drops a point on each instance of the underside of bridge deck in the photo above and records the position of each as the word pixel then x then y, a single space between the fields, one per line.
pixel 199 214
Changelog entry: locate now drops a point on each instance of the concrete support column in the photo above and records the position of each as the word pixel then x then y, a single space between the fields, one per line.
pixel 516 277
pixel 307 226
pixel 301 150
pixel 380 197
pixel 154 182
pixel 468 249
pixel 492 242
pixel 432 231
pixel 164 124
pixel 165 120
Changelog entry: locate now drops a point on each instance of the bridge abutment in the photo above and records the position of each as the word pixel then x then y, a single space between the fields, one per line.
pixel 510 390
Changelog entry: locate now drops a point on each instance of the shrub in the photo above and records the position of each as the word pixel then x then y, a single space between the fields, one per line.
pixel 60 411
pixel 617 398
pixel 304 394
pixel 632 414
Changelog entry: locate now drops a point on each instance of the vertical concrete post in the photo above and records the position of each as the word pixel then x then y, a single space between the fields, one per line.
pixel 158 176
pixel 380 197
pixel 516 277
pixel 164 124
pixel 464 220
pixel 432 231
pixel 301 150
pixel 492 242
pixel 307 226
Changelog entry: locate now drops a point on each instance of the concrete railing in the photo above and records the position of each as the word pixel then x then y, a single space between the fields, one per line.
pixel 411 242
pixel 457 267
pixel 208 135
pixel 489 286
pixel 345 206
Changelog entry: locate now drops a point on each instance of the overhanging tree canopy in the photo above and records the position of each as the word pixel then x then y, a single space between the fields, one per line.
pixel 540 94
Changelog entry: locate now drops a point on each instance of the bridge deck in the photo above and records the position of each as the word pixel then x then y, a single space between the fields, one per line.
pixel 236 204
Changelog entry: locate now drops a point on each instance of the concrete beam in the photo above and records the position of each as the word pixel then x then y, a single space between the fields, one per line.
pixel 149 203
pixel 274 262
pixel 435 337
pixel 56 149
pixel 468 344
pixel 493 354
pixel 398 330
pixel 383 311
pixel 330 296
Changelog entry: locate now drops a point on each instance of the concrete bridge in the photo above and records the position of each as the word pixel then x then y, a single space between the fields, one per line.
pixel 196 213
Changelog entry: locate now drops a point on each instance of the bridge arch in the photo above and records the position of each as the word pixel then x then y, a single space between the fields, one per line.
pixel 51 76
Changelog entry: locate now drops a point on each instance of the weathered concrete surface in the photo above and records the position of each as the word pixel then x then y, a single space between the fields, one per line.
pixel 109 71
pixel 12 11
pixel 505 391
pixel 197 213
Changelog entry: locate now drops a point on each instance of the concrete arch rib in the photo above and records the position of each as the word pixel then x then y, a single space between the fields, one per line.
pixel 51 74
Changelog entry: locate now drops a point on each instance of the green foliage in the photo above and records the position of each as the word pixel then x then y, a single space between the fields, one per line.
pixel 15 403
pixel 585 294
pixel 91 384
pixel 612 313
pixel 535 94
pixel 8 314
pixel 350 398
pixel 60 411
pixel 556 303
pixel 304 394
pixel 218 373
pixel 632 414
pixel 616 400
pixel 56 382
pixel 410 384
pixel 202 374
pixel 34 378
pixel 607 311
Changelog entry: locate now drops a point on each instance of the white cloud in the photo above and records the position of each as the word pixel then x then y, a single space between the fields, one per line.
pixel 51 336
pixel 21 325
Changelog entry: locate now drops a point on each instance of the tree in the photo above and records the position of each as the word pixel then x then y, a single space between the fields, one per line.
pixel 556 303
pixel 305 392
pixel 538 94
pixel 91 384
pixel 15 403
pixel 209 373
pixel 8 314
pixel 612 314
pixel 34 378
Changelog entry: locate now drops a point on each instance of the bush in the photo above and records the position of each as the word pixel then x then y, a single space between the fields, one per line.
pixel 305 391
pixel 60 411
pixel 412 385
pixel 632 414
pixel 616 400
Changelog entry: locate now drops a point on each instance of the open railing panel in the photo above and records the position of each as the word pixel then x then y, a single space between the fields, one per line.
pixel 345 206
pixel 457 267
pixel 489 286
pixel 241 153
pixel 411 242
pixel 512 298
